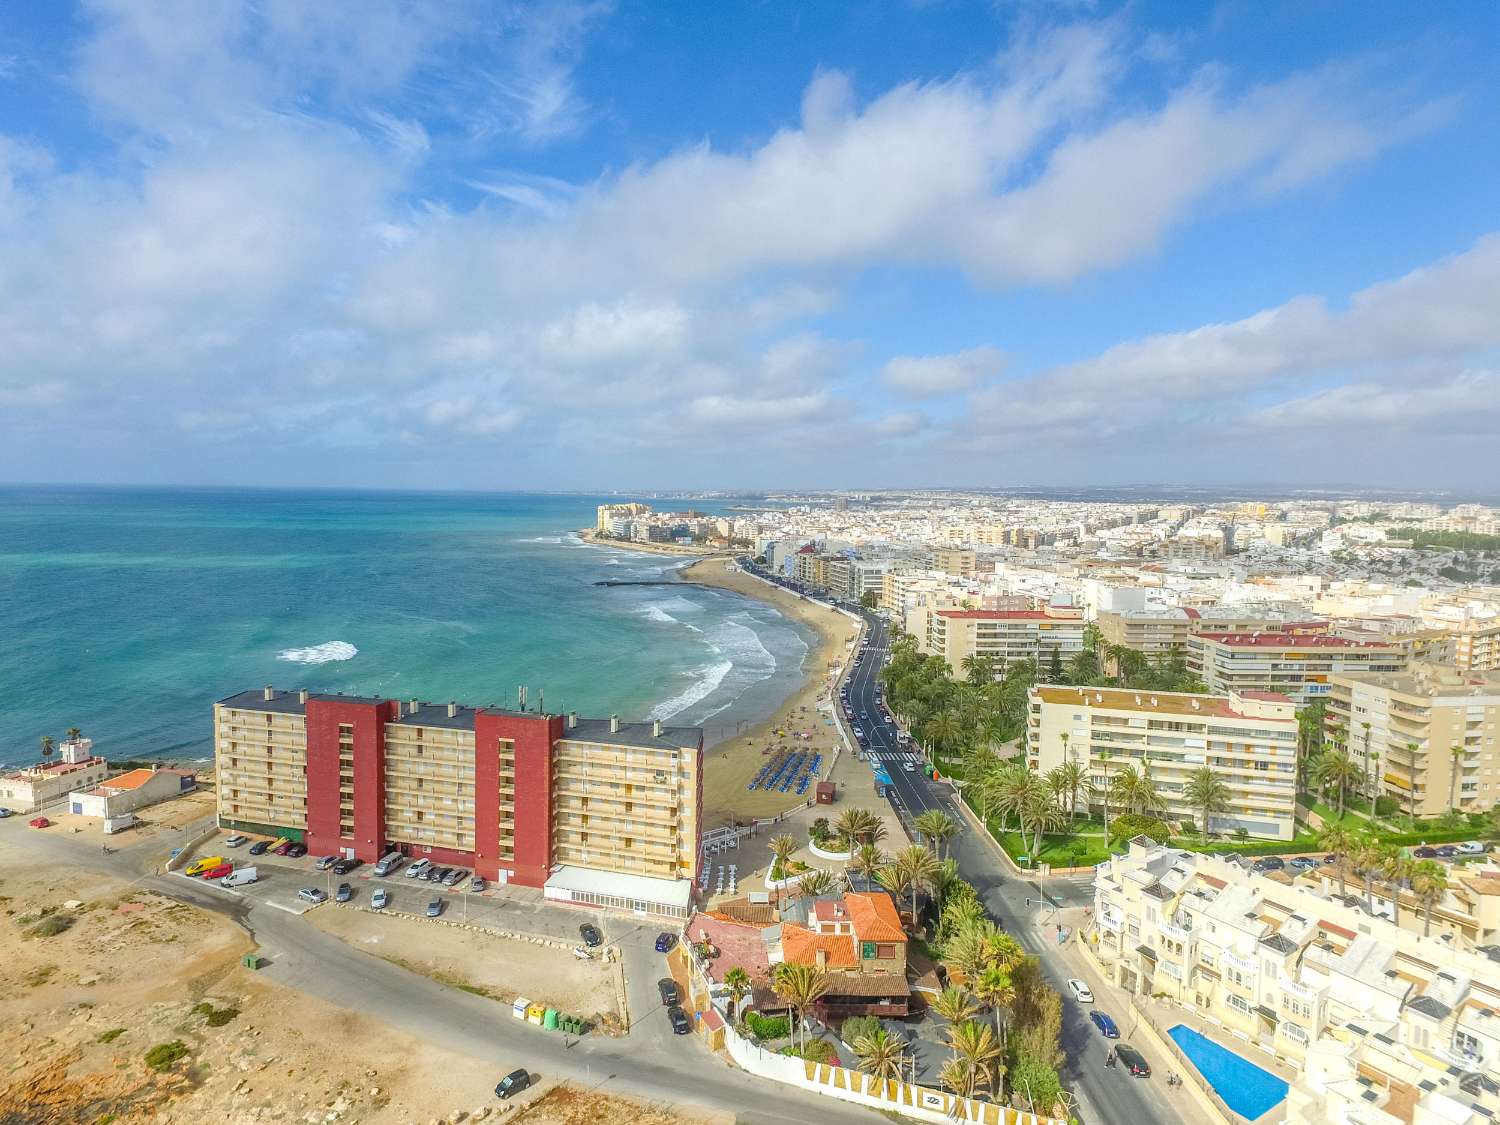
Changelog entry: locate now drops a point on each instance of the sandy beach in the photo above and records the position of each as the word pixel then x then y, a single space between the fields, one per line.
pixel 591 535
pixel 732 762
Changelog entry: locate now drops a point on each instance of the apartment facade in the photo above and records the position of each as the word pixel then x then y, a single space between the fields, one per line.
pixel 1428 736
pixel 1003 635
pixel 541 800
pixel 606 514
pixel 1296 663
pixel 1248 739
pixel 1374 1016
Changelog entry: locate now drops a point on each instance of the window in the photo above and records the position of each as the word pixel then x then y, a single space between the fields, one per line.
pixel 1294 1032
pixel 1238 1003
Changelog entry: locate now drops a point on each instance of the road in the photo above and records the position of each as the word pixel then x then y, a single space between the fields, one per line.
pixel 1106 1096
pixel 648 1064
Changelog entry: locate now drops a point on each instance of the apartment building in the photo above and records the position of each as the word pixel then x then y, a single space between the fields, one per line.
pixel 607 513
pixel 593 810
pixel 1296 663
pixel 1248 739
pixel 39 787
pixel 1428 736
pixel 954 560
pixel 1003 635
pixel 1384 1024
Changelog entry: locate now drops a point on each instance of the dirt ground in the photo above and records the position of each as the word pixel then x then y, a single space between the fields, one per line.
pixel 163 820
pixel 492 966
pixel 565 1105
pixel 94 973
pixel 729 766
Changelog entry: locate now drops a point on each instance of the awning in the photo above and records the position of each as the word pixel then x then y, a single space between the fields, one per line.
pixel 1268 1013
pixel 639 888
pixel 1146 951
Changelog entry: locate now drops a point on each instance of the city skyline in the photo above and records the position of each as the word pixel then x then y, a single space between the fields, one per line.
pixel 518 247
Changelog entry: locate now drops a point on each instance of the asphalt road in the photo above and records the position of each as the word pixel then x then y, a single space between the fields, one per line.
pixel 1106 1096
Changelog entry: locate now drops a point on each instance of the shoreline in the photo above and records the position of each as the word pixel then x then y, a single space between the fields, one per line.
pixel 591 536
pixel 731 762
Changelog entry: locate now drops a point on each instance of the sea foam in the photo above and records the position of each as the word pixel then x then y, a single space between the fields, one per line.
pixel 706 680
pixel 319 654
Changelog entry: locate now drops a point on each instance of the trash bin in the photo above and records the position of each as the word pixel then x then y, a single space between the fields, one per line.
pixel 252 961
pixel 549 1020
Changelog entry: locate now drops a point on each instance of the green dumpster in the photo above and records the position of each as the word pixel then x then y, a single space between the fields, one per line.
pixel 549 1019
pixel 252 960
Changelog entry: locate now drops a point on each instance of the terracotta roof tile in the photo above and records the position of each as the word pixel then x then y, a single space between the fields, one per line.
pixel 800 946
pixel 874 917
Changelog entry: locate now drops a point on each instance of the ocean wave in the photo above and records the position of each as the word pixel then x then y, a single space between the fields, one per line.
pixel 706 681
pixel 656 613
pixel 319 654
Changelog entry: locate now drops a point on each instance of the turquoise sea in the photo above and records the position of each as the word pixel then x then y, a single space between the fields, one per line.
pixel 127 612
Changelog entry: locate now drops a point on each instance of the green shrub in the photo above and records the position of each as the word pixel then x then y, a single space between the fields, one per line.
pixel 111 1035
pixel 820 830
pixel 856 1026
pixel 766 1028
pixel 51 926
pixel 202 1008
pixel 164 1056
pixel 820 1051
pixel 1134 824
pixel 1387 806
pixel 220 1016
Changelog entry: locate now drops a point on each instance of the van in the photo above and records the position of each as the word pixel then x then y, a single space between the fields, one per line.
pixel 199 866
pixel 240 878
pixel 388 863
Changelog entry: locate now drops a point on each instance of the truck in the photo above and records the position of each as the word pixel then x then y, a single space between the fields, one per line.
pixel 240 877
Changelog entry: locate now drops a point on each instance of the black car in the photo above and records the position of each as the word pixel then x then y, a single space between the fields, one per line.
pixel 1133 1061
pixel 296 851
pixel 344 893
pixel 260 847
pixel 681 1025
pixel 436 874
pixel 1425 853
pixel 513 1083
pixel 591 935
pixel 1270 863
pixel 670 996
pixel 344 866
pixel 1447 851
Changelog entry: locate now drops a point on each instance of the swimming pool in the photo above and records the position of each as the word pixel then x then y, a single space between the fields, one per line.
pixel 1245 1087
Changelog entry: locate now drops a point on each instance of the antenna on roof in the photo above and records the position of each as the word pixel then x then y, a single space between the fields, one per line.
pixel 541 700
pixel 520 699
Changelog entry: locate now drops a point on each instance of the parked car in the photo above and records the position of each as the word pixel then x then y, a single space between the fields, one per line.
pixel 1302 863
pixel 415 870
pixel 4 812
pixel 283 848
pixel 1270 863
pixel 1133 1061
pixel 197 867
pixel 344 893
pixel 1424 853
pixel 512 1083
pixel 1329 860
pixel 1080 991
pixel 670 994
pixel 219 871
pixel 454 877
pixel 437 874
pixel 324 862
pixel 909 768
pixel 681 1025
pixel 235 841
pixel 297 851
pixel 1473 847
pixel 1105 1025
pixel 312 894
pixel 582 954
pixel 1447 851
pixel 344 866
pixel 260 847
pixel 380 899
pixel 477 884
pixel 665 941
pixel 388 863
pixel 434 908
pixel 591 935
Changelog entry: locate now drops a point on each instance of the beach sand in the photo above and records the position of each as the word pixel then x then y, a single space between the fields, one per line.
pixel 731 763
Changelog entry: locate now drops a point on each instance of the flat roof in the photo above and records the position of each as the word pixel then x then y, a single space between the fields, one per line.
pixel 1290 640
pixel 633 734
pixel 668 892
pixel 1164 702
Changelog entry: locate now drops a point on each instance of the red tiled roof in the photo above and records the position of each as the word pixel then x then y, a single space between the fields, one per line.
pixel 1191 612
pixel 1348 935
pixel 800 947
pixel 132 780
pixel 739 945
pixel 1289 640
pixel 874 917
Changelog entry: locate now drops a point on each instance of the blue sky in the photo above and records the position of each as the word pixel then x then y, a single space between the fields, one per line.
pixel 587 245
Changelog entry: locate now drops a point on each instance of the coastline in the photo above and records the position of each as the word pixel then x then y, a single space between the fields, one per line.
pixel 731 762
pixel 591 535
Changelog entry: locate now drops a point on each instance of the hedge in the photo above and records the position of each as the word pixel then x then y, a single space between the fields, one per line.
pixel 767 1028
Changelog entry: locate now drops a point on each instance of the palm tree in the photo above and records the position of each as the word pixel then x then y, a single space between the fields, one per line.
pixel 1456 753
pixel 945 880
pixel 957 1074
pixel 976 1045
pixel 782 848
pixel 880 1053
pixel 1429 882
pixel 994 989
pixel 921 868
pixel 942 730
pixel 937 826
pixel 1369 858
pixel 74 734
pixel 895 878
pixel 867 859
pixel 1335 770
pixel 1369 791
pixel 814 883
pixel 1340 841
pixel 956 1005
pixel 738 983
pixel 1102 791
pixel 1012 791
pixel 1041 814
pixel 1397 870
pixel 48 742
pixel 801 986
pixel 1205 791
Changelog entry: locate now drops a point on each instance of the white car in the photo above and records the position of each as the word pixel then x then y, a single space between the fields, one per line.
pixel 312 894
pixel 417 868
pixel 380 900
pixel 909 768
pixel 235 841
pixel 1473 847
pixel 1080 991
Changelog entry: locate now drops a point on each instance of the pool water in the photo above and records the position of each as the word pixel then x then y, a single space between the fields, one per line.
pixel 1245 1087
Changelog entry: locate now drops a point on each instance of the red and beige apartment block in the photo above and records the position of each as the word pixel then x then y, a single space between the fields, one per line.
pixel 596 811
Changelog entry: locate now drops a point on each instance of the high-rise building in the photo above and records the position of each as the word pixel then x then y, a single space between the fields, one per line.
pixel 1003 635
pixel 1296 663
pixel 1248 739
pixel 608 512
pixel 594 810
pixel 1428 736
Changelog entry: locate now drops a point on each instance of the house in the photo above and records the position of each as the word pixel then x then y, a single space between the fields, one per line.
pixel 37 787
pixel 858 941
pixel 130 791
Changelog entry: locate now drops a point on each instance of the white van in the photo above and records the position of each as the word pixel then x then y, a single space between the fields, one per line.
pixel 388 863
pixel 239 877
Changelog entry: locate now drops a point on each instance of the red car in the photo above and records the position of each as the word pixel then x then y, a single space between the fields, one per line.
pixel 283 849
pixel 40 822
pixel 218 872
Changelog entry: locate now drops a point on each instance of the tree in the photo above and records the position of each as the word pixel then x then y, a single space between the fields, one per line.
pixel 814 883
pixel 738 983
pixel 937 826
pixel 1054 666
pixel 1205 791
pixel 1340 841
pixel 1397 870
pixel 880 1053
pixel 48 742
pixel 867 859
pixel 895 878
pixel 1040 814
pixel 921 868
pixel 1411 780
pixel 801 986
pixel 942 731
pixel 1067 781
pixel 976 1045
pixel 994 989
pixel 869 599
pixel 74 734
pixel 955 1005
pixel 1429 882
pixel 782 848
pixel 1369 858
pixel 980 670
pixel 1335 771
pixel 859 826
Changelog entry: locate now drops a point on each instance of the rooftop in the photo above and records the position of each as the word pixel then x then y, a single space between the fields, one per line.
pixel 1290 640
pixel 1161 702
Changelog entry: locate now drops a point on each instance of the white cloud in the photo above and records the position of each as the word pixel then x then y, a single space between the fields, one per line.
pixel 929 376
pixel 1461 403
pixel 902 423
pixel 468 416
pixel 732 411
